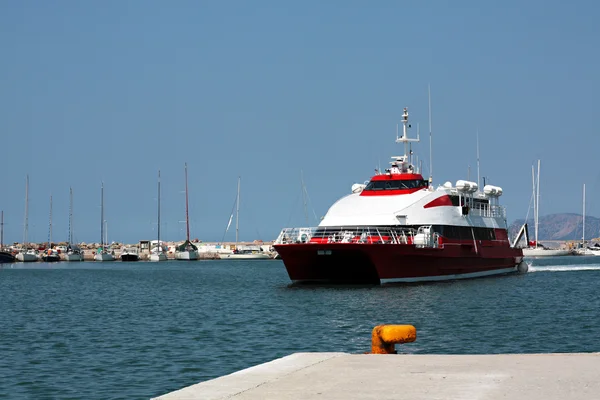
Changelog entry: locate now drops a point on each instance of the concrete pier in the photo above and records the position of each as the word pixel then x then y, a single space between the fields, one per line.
pixel 321 376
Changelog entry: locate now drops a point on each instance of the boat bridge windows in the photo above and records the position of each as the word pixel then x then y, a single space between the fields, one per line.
pixel 397 184
pixel 465 232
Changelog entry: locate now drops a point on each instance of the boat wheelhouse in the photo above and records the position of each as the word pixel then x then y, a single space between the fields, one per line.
pixel 398 227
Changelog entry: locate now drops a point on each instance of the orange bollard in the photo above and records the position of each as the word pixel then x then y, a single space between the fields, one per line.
pixel 385 337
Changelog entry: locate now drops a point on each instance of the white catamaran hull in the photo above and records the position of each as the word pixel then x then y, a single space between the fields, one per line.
pixel 73 257
pixel 540 252
pixel 26 257
pixel 186 255
pixel 104 257
pixel 246 256
pixel 158 257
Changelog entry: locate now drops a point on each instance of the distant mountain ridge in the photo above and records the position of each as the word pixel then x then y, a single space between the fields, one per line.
pixel 565 226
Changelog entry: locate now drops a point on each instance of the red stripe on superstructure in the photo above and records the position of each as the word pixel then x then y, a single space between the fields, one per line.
pixel 406 177
pixel 389 192
pixel 440 201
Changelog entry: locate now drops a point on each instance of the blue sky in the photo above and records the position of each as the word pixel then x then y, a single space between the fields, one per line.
pixel 113 91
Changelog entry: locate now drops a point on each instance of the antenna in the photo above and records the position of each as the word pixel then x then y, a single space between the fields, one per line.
pixel 430 147
pixel 303 196
pixel 478 183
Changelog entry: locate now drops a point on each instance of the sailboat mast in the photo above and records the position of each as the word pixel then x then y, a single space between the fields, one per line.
pixel 187 217
pixel 2 230
pixel 50 226
pixel 26 225
pixel 537 208
pixel 430 138
pixel 583 234
pixel 237 211
pixel 70 215
pixel 102 215
pixel 158 229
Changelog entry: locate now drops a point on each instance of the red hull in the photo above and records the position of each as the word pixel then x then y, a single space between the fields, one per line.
pixel 374 263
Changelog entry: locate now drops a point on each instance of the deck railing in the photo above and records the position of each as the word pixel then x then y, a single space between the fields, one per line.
pixel 360 234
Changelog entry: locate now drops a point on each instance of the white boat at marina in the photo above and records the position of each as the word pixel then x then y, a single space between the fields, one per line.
pixel 102 253
pixel 157 253
pixel 584 250
pixel 242 252
pixel 187 250
pixel 73 252
pixel 26 254
pixel 544 252
pixel 535 249
pixel 247 253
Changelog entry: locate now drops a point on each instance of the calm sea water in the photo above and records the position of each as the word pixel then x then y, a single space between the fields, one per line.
pixel 137 330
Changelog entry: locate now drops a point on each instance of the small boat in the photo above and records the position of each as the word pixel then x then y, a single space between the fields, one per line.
pixel 157 253
pixel 103 253
pixel 247 253
pixel 242 252
pixel 535 248
pixel 130 254
pixel 6 257
pixel 73 252
pixel 187 250
pixel 584 249
pixel 26 254
pixel 50 255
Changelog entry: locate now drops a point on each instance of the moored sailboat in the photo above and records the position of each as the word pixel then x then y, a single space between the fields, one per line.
pixel 102 253
pixel 6 257
pixel 187 250
pixel 534 248
pixel 243 252
pixel 26 254
pixel 157 253
pixel 49 254
pixel 585 250
pixel 73 250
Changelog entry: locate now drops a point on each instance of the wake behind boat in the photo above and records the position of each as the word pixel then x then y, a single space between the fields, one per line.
pixel 398 228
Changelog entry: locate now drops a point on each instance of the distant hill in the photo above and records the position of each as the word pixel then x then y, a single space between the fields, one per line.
pixel 559 227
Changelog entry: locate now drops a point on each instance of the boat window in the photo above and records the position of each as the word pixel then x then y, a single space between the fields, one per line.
pixel 465 232
pixel 397 184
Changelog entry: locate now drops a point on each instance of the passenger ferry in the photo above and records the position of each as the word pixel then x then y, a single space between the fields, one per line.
pixel 399 228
